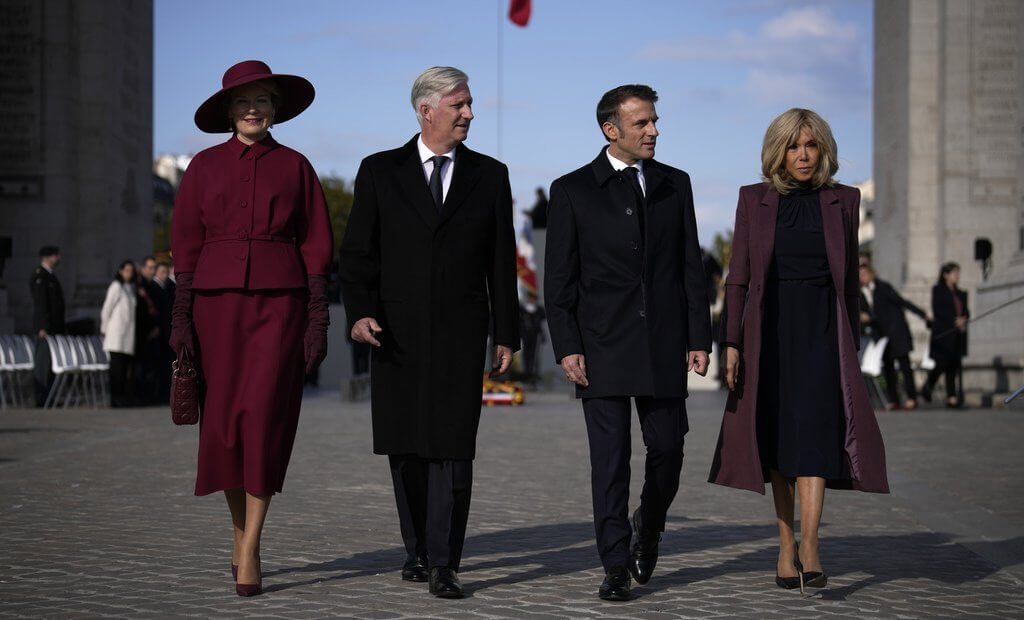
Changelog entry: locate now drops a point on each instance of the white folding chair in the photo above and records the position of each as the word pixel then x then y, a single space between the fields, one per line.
pixel 7 374
pixel 99 364
pixel 22 352
pixel 64 365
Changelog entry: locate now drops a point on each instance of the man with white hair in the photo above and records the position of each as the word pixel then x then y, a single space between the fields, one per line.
pixel 427 269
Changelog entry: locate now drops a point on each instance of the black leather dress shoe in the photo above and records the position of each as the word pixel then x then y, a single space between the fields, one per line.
pixel 444 583
pixel 616 584
pixel 415 570
pixel 645 551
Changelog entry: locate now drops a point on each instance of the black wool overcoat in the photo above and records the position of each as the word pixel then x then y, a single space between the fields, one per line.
pixel 632 304
pixel 947 344
pixel 434 281
pixel 888 317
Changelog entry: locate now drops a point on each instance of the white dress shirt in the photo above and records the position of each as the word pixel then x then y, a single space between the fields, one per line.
pixel 428 166
pixel 620 165
pixel 869 294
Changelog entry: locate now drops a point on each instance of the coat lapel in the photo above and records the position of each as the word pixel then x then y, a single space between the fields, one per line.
pixel 653 178
pixel 835 245
pixel 464 178
pixel 769 215
pixel 413 186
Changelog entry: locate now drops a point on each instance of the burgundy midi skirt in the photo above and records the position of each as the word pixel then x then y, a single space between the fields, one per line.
pixel 250 352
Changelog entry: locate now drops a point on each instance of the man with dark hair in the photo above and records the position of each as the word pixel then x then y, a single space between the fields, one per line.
pixel 164 290
pixel 47 317
pixel 147 335
pixel 883 310
pixel 628 316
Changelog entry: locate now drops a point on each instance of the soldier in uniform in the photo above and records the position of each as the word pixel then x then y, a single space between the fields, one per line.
pixel 47 316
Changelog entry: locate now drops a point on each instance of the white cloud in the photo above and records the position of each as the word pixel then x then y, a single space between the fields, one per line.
pixel 813 22
pixel 803 56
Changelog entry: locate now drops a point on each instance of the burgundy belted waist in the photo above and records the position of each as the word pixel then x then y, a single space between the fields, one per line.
pixel 244 236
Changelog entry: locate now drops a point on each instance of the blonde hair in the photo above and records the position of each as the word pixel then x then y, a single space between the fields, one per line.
pixel 784 131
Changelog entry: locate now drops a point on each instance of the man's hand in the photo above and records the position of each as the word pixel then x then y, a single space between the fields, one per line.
pixel 575 367
pixel 42 333
pixel 697 361
pixel 732 366
pixel 865 317
pixel 502 360
pixel 961 323
pixel 365 330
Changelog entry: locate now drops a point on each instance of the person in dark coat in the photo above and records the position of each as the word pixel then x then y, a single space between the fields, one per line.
pixel 251 240
pixel 47 317
pixel 531 328
pixel 883 309
pixel 798 412
pixel 628 316
pixel 147 335
pixel 165 301
pixel 539 212
pixel 428 259
pixel 948 344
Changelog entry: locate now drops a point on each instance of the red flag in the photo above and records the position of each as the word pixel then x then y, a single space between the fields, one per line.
pixel 519 12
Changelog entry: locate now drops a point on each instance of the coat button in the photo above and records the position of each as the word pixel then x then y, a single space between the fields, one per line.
pixel 249 156
pixel 642 314
pixel 629 212
pixel 242 256
pixel 245 204
pixel 634 245
pixel 245 177
pixel 241 234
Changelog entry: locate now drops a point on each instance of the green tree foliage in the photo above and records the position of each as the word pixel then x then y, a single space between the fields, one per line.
pixel 721 247
pixel 338 193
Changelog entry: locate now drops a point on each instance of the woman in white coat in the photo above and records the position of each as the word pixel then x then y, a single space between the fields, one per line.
pixel 117 323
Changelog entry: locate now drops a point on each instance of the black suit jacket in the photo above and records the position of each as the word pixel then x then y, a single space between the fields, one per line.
pixel 47 302
pixel 888 318
pixel 632 304
pixel 433 281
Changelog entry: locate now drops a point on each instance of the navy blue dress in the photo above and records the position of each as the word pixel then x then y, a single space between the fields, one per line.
pixel 800 422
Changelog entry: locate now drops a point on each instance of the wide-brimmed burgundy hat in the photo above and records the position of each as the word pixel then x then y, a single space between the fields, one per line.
pixel 296 95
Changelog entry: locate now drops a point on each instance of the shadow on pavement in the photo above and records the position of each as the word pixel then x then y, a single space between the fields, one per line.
pixel 555 549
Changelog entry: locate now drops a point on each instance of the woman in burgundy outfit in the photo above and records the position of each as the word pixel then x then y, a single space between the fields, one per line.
pixel 251 240
pixel 798 413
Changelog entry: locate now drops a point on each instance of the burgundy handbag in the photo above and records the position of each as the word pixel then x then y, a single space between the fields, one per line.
pixel 185 390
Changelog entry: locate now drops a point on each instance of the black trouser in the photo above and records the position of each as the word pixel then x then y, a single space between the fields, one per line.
pixel 433 506
pixel 42 373
pixel 950 373
pixel 892 384
pixel 120 379
pixel 664 425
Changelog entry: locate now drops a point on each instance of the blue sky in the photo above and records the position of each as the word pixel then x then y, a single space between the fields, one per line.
pixel 723 70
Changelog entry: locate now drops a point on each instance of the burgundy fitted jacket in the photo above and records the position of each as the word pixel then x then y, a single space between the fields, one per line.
pixel 250 217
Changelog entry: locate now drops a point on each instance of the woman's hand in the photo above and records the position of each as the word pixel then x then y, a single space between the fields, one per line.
pixel 732 366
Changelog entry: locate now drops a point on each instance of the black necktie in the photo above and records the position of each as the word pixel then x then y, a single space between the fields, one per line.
pixel 435 180
pixel 633 176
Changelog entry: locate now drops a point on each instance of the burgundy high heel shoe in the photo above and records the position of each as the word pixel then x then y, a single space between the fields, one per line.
pixel 249 589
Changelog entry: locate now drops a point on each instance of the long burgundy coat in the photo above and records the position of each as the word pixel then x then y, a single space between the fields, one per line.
pixel 737 462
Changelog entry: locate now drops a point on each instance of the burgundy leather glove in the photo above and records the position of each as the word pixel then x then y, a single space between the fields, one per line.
pixel 317 319
pixel 182 336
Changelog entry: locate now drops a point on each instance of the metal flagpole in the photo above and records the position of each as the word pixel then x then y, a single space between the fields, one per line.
pixel 500 16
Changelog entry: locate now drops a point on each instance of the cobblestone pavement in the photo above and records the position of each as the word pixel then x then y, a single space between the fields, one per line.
pixel 97 518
